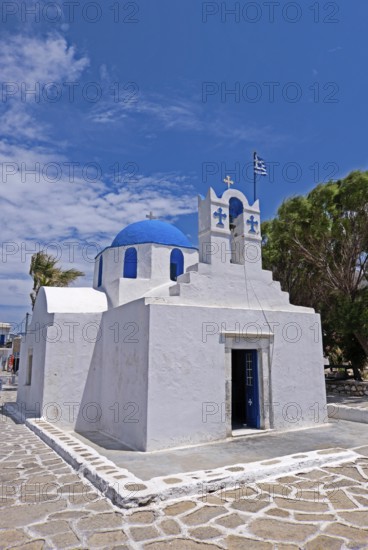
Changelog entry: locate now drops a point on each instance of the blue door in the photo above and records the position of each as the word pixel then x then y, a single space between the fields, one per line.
pixel 251 391
pixel 245 395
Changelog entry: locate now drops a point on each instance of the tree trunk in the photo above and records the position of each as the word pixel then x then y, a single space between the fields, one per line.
pixel 363 341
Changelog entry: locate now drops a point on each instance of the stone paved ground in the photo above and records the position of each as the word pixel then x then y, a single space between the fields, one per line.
pixel 45 504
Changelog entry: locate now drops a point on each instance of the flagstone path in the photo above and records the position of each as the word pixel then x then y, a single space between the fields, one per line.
pixel 45 504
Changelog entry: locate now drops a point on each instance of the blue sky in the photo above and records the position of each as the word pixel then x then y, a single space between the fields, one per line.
pixel 153 102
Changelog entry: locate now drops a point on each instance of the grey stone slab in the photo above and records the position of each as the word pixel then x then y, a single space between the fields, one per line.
pixel 239 450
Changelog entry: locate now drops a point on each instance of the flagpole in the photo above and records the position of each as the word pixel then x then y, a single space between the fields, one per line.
pixel 254 176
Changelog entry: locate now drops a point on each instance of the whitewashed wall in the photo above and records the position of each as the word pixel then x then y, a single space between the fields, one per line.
pixel 153 271
pixel 187 370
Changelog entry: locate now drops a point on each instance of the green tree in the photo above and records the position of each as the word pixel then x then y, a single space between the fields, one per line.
pixel 45 272
pixel 317 247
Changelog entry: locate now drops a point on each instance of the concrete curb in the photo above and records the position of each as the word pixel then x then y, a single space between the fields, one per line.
pixel 125 490
pixel 344 412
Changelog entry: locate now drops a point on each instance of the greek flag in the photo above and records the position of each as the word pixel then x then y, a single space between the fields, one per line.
pixel 259 166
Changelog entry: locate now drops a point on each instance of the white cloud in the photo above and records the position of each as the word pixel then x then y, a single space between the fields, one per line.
pixel 168 113
pixel 28 63
pixel 71 212
pixel 179 114
pixel 32 59
pixel 36 212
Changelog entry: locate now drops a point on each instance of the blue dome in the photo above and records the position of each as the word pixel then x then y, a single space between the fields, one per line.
pixel 152 231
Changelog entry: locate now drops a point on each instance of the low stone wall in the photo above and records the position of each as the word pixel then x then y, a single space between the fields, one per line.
pixel 346 387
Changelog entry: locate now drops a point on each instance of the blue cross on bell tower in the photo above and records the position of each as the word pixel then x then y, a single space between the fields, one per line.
pixel 253 223
pixel 221 216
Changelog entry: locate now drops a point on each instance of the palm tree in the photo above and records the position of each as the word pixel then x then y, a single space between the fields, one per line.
pixel 45 272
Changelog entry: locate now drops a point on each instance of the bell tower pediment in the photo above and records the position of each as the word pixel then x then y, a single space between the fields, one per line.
pixel 229 230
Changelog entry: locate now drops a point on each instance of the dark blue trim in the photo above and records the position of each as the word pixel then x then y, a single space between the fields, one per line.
pixel 176 264
pixel 100 271
pixel 252 394
pixel 235 207
pixel 130 263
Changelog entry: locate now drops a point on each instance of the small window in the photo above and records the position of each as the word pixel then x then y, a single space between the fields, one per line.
pixel 100 271
pixel 176 264
pixel 29 368
pixel 235 209
pixel 130 264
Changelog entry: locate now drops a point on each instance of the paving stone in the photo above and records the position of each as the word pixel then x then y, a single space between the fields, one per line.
pixel 144 533
pixel 340 501
pixel 12 537
pixel 301 505
pixel 363 501
pixel 325 543
pixel 179 508
pixel 271 529
pixel 308 485
pixel 172 480
pixel 347 471
pixel 42 479
pixel 77 487
pixel 68 478
pixel 205 532
pixel 288 479
pixel 248 505
pixel 306 494
pixel 232 521
pixel 142 517
pixel 204 514
pixel 275 488
pixel 33 545
pixel 83 498
pixel 50 528
pixel 100 521
pixel 350 533
pixel 242 543
pixel 270 462
pixel 359 490
pixel 18 516
pixel 314 517
pixel 170 527
pixel 278 512
pixel 180 544
pixel 68 514
pixel 313 475
pixel 100 505
pixel 359 517
pixel 211 499
pixel 343 484
pixel 239 493
pixel 65 540
pixel 107 538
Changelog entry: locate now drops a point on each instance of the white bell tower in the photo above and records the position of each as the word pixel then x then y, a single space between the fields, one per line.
pixel 229 231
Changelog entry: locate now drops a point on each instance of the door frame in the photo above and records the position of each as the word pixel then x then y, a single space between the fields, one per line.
pixel 263 344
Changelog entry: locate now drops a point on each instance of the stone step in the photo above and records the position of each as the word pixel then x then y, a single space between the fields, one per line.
pixel 185 278
pixel 194 267
pixel 174 290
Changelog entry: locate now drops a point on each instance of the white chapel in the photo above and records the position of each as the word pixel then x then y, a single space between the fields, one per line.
pixel 176 345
